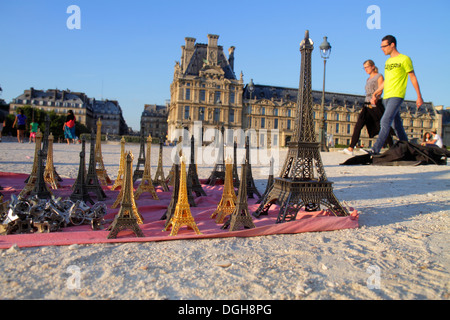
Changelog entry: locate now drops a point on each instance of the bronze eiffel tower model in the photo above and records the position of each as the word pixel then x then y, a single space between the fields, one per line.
pixel 240 216
pixel 31 180
pixel 146 181
pixel 173 202
pixel 92 182
pixel 235 173
pixel 100 166
pixel 50 175
pixel 80 191
pixel 192 173
pixel 218 173
pixel 297 186
pixel 128 217
pixel 138 173
pixel 251 187
pixel 269 182
pixel 159 179
pixel 40 188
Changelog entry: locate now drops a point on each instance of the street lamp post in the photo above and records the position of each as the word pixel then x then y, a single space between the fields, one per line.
pixel 325 50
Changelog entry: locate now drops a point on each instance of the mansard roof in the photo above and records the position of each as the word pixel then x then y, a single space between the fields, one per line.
pixel 332 100
pixel 199 61
pixel 106 107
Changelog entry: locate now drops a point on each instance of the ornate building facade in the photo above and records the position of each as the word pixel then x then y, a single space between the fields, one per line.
pixel 205 89
pixel 154 121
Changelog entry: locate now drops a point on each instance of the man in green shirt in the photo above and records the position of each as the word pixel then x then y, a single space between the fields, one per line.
pixel 397 70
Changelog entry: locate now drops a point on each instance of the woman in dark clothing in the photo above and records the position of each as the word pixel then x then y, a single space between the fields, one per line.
pixel 370 115
pixel 69 127
pixel 21 122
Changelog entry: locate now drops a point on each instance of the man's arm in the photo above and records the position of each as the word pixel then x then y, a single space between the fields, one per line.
pixel 415 84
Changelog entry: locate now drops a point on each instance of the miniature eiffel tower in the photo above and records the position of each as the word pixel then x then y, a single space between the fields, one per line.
pixel 173 202
pixel 251 187
pixel 121 172
pixel 160 180
pixel 100 167
pixel 138 173
pixel 128 217
pixel 297 185
pixel 80 191
pixel 269 182
pixel 192 173
pixel 92 183
pixel 40 188
pixel 49 172
pixel 170 177
pixel 228 201
pixel 218 173
pixel 240 216
pixel 146 181
pixel 182 215
pixel 31 180
pixel 235 173
pixel 123 191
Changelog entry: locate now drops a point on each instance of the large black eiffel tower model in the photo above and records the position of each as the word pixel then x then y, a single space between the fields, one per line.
pixel 251 187
pixel 192 173
pixel 218 173
pixel 240 216
pixel 127 217
pixel 139 173
pixel 92 183
pixel 80 191
pixel 297 186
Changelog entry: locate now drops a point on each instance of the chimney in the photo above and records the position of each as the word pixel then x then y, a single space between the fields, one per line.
pixel 187 52
pixel 231 57
pixel 212 49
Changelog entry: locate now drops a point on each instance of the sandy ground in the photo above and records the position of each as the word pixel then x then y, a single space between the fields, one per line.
pixel 399 252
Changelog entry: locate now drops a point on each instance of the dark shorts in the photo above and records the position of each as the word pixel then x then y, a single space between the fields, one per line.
pixel 21 127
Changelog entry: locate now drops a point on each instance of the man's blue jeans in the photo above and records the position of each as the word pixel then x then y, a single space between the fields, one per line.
pixel 391 117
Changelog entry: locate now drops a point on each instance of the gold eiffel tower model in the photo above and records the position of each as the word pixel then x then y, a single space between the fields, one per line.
pixel 160 180
pixel 33 175
pixel 121 171
pixel 182 215
pixel 240 216
pixel 99 165
pixel 228 201
pixel 146 181
pixel 50 172
pixel 125 189
pixel 128 216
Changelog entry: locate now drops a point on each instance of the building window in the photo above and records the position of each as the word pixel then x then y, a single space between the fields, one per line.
pixel 337 116
pixel 275 123
pixel 289 124
pixel 275 112
pixel 348 129
pixel 216 114
pixel 263 122
pixel 186 112
pixel 231 115
pixel 337 127
pixel 263 111
pixel 188 94
pixel 289 112
pixel 217 97
pixel 232 97
pixel 202 95
pixel 201 113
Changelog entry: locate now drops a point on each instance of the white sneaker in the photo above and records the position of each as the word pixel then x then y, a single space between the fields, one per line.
pixel 346 151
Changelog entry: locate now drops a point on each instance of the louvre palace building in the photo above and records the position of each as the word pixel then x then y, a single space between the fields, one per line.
pixel 206 91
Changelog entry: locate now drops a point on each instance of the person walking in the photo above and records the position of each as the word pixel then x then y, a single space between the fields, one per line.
pixel 398 68
pixel 370 115
pixel 69 127
pixel 20 121
pixel 33 130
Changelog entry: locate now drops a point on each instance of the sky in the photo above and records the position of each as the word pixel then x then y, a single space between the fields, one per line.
pixel 126 50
